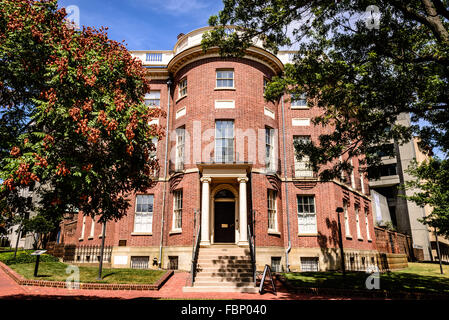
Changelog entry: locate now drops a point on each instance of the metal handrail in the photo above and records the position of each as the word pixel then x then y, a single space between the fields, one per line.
pixel 195 250
pixel 252 253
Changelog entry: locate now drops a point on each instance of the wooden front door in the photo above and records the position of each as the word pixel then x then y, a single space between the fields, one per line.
pixel 224 230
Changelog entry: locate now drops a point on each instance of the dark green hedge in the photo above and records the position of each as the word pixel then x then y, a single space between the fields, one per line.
pixel 24 257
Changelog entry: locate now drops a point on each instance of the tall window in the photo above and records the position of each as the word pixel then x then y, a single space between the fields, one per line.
pixel 177 210
pixel 269 147
pixel 352 175
pixel 180 141
pixel 143 218
pixel 368 236
pixel 224 141
pixel 298 100
pixel 345 207
pixel 182 88
pixel 225 78
pixel 83 228
pixel 357 220
pixel 153 98
pixel 302 166
pixel 306 215
pixel 92 229
pixel 272 215
pixel 265 83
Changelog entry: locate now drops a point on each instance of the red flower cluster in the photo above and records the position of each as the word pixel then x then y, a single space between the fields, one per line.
pixel 9 183
pixel 42 162
pixel 24 175
pixel 87 167
pixel 15 151
pixel 62 170
pixel 48 139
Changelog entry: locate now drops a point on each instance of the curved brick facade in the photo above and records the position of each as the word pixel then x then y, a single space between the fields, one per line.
pixel 197 112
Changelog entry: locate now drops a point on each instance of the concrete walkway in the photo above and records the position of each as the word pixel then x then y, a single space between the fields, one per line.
pixel 172 289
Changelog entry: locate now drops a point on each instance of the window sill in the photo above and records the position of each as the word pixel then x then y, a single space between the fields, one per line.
pixel 274 232
pixel 300 108
pixel 81 239
pixel 370 240
pixel 141 233
pixel 224 88
pixel 180 98
pixel 349 237
pixel 307 234
pixel 175 231
pixel 90 238
pixel 360 239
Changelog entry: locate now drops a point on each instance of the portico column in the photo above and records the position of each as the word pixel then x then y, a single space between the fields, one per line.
pixel 205 234
pixel 243 239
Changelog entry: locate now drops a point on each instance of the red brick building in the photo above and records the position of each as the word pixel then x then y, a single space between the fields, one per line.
pixel 230 158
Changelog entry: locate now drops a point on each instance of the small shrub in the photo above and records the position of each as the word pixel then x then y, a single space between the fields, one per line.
pixel 24 257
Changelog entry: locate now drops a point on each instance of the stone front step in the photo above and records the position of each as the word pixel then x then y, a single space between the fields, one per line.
pixel 217 274
pixel 246 289
pixel 223 268
pixel 218 262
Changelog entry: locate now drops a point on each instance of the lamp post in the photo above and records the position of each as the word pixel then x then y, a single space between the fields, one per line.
pixel 102 251
pixel 340 241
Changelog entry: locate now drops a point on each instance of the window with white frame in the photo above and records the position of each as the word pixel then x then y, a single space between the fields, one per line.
pixel 298 101
pixel 225 78
pixel 143 217
pixel 269 148
pixel 83 227
pixel 352 175
pixel 272 212
pixel 182 88
pixel 368 236
pixel 302 166
pixel 357 220
pixel 306 215
pixel 153 98
pixel 92 228
pixel 224 141
pixel 345 208
pixel 180 142
pixel 177 210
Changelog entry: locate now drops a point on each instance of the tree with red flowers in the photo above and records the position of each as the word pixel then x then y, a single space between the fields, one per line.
pixel 73 125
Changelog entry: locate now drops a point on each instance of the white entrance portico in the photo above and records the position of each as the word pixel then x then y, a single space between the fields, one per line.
pixel 215 179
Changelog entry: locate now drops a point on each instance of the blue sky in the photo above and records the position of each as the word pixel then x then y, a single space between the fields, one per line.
pixel 146 24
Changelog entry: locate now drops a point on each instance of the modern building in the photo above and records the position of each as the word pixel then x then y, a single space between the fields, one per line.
pixel 228 165
pixel 389 205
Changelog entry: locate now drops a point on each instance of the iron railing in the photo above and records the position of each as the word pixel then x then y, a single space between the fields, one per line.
pixel 366 261
pixel 196 246
pixel 87 254
pixel 252 251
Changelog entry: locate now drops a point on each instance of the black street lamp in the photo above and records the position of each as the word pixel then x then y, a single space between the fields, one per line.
pixel 102 251
pixel 340 241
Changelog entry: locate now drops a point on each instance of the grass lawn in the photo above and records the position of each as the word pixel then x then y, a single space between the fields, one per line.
pixel 418 277
pixel 56 271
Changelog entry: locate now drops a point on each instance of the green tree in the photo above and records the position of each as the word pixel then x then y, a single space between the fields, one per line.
pixel 73 123
pixel 360 74
pixel 432 189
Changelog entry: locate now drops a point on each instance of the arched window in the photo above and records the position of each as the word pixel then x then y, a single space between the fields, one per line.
pixel 224 194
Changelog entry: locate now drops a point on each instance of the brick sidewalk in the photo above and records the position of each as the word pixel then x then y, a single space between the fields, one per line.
pixel 172 289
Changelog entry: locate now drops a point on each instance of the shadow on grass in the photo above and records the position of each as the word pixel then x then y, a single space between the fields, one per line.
pixel 390 281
